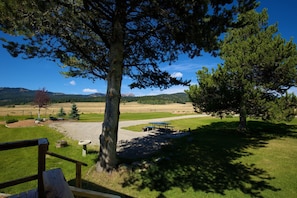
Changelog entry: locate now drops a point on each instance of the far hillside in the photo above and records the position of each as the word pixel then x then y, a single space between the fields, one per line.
pixel 19 96
pixel 159 99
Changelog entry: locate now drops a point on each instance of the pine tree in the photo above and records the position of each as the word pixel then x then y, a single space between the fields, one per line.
pixel 61 113
pixel 259 67
pixel 74 112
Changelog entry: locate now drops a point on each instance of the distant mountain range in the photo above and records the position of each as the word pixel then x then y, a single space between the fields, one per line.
pixel 15 96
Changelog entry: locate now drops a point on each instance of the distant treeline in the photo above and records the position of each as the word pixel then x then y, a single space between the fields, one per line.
pixel 159 99
pixel 18 96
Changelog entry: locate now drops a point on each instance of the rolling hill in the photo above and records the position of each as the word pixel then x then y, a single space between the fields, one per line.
pixel 16 96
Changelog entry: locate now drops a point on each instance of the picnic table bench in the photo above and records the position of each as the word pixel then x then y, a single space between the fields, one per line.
pixel 162 126
pixel 148 128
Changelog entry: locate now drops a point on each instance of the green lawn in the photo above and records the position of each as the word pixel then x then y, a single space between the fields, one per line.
pixel 214 161
pixel 19 117
pixel 93 117
pixel 218 161
pixel 23 162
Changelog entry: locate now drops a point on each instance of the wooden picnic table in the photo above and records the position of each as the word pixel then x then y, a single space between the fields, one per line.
pixel 160 124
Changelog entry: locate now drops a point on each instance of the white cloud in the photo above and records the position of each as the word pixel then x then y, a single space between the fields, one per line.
pixel 88 90
pixel 177 75
pixel 72 82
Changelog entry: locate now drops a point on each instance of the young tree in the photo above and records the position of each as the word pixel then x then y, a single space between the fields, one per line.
pixel 259 69
pixel 41 100
pixel 111 38
pixel 61 113
pixel 74 112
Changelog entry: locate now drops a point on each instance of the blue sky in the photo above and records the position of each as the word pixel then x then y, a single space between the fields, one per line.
pixel 38 73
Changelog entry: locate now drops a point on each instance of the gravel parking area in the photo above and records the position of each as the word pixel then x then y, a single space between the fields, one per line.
pixel 137 143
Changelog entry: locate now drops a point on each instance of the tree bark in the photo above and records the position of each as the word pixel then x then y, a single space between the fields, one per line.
pixel 107 159
pixel 242 116
pixel 38 113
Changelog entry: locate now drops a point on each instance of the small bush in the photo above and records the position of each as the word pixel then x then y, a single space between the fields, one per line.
pixel 11 121
pixel 61 113
pixel 53 118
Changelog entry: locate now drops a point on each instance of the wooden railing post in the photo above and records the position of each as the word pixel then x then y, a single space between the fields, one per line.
pixel 78 182
pixel 42 149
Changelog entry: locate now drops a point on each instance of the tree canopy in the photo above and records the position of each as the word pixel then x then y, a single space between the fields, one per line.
pixel 111 38
pixel 79 33
pixel 259 68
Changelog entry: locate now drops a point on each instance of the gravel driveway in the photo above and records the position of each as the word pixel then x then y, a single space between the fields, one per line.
pixel 139 143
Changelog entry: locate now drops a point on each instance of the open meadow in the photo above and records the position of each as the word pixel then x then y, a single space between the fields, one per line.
pixel 215 160
pixel 94 107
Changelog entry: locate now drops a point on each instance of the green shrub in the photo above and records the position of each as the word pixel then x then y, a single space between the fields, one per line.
pixel 61 113
pixel 11 121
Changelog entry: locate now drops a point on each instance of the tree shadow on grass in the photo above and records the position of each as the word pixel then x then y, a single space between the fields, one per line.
pixel 206 160
pixel 142 147
pixel 270 130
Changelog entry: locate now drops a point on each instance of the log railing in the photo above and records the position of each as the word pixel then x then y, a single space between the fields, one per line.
pixel 78 181
pixel 42 151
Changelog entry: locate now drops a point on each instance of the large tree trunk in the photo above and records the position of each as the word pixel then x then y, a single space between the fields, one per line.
pixel 107 159
pixel 242 116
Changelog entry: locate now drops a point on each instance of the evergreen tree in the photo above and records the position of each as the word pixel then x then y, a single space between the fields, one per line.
pixel 61 113
pixel 259 68
pixel 74 112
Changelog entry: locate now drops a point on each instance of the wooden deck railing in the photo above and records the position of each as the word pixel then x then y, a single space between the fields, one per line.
pixel 78 181
pixel 42 151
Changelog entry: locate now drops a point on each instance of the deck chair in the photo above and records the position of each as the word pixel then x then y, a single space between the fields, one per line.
pixel 55 186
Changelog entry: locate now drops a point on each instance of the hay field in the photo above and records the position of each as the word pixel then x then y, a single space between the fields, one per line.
pixel 96 107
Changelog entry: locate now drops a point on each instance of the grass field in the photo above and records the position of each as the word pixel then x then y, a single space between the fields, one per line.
pixel 23 162
pixel 93 117
pixel 217 161
pixel 214 161
pixel 95 107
